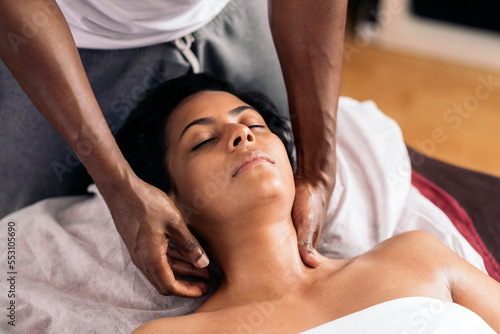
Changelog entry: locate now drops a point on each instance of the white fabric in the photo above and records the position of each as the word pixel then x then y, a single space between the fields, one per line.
pixel 121 24
pixel 75 274
pixel 373 197
pixel 407 316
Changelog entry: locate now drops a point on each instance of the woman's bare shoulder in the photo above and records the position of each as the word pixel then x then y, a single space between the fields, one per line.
pixel 156 326
pixel 416 243
pixel 183 324
pixel 413 251
pixel 417 258
pixel 226 320
pixel 218 321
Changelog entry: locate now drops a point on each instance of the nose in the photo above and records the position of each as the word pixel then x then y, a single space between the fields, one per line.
pixel 239 135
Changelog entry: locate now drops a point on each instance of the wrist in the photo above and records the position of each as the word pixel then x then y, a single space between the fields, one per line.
pixel 314 130
pixel 114 179
pixel 317 164
pixel 110 171
pixel 320 187
pixel 321 180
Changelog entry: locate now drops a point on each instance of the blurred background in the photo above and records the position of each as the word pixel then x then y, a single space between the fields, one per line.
pixel 434 67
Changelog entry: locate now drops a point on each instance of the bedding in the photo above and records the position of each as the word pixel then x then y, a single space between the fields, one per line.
pixel 477 193
pixel 460 219
pixel 408 315
pixel 74 274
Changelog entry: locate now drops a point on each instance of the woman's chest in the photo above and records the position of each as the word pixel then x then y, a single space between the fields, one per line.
pixel 339 295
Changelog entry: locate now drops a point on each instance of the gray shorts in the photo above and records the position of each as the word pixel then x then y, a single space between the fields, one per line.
pixel 36 163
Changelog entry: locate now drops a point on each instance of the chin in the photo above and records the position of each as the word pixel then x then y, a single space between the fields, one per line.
pixel 259 187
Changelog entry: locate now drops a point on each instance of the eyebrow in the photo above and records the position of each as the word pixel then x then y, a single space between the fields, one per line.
pixel 210 120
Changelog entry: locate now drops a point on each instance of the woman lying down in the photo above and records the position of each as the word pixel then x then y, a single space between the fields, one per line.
pixel 197 133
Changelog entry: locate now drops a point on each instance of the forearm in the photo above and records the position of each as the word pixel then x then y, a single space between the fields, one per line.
pixel 309 40
pixel 38 48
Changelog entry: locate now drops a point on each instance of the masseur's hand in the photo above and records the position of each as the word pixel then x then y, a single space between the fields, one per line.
pixel 47 65
pixel 308 214
pixel 309 41
pixel 147 219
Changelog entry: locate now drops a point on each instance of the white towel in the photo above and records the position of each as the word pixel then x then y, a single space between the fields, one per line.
pixel 407 316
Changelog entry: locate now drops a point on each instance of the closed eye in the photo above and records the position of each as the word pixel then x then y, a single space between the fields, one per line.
pixel 210 139
pixel 202 143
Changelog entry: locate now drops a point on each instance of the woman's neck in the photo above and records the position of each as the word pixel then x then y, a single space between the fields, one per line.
pixel 259 260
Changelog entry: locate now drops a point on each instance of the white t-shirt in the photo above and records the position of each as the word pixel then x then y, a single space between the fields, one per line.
pixel 122 24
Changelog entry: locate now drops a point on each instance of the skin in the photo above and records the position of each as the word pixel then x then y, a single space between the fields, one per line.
pixel 39 50
pixel 248 228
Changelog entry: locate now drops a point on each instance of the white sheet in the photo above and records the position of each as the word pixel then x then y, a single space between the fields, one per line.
pixel 373 198
pixel 74 274
pixel 407 316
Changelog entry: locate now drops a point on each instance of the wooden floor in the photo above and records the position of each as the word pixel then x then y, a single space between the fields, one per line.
pixel 445 111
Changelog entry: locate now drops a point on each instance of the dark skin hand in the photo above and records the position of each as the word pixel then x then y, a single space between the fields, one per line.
pixel 309 39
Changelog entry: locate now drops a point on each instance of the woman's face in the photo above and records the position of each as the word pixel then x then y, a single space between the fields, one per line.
pixel 224 161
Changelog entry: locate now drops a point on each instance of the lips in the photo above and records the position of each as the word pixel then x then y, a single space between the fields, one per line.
pixel 251 159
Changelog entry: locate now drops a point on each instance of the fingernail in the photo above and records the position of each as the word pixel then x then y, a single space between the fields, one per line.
pixel 313 256
pixel 202 261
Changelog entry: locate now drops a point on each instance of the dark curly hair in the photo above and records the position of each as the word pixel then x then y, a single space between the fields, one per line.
pixel 142 138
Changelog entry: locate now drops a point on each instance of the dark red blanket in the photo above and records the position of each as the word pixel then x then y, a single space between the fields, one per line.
pixel 470 199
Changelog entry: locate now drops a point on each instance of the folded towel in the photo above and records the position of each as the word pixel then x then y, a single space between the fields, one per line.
pixel 408 315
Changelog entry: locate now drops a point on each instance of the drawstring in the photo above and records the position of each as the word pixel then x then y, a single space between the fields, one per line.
pixel 184 45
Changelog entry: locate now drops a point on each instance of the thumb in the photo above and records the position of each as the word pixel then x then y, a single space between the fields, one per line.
pixel 305 237
pixel 188 245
